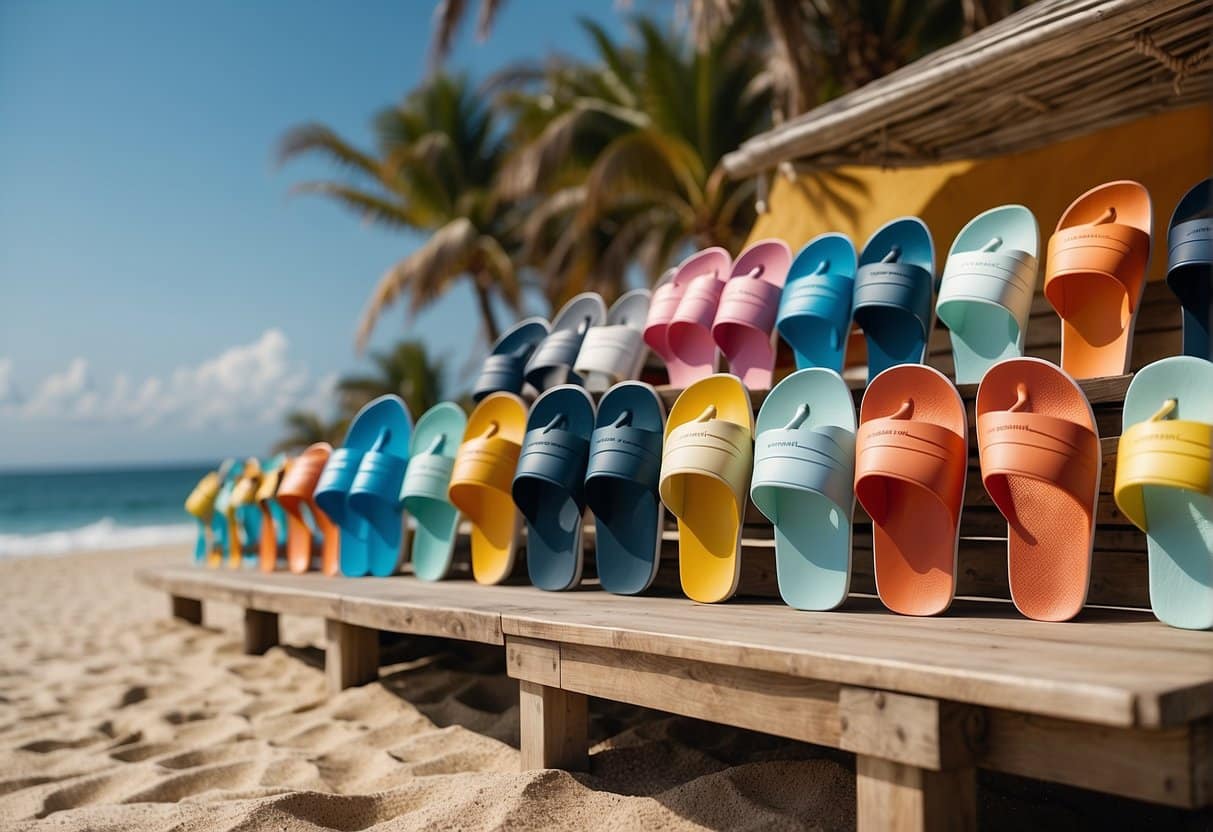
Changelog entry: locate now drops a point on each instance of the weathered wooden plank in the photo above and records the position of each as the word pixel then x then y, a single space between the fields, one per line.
pixel 924 733
pixel 895 797
pixel 188 610
pixel 260 631
pixel 552 727
pixel 533 661
pixel 351 655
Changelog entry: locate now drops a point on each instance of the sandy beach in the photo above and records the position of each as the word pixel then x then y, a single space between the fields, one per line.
pixel 115 717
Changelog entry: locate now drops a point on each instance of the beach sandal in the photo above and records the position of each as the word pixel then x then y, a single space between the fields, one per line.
pixel 552 362
pixel 1165 487
pixel 375 492
pixel 679 327
pixel 614 351
pixel 621 487
pixel 1190 267
pixel 744 325
pixel 380 422
pixel 244 517
pixel 893 288
pixel 221 526
pixel 988 284
pixel 911 459
pixel 1095 275
pixel 295 492
pixel 705 480
pixel 1040 463
pixel 481 481
pixel 200 504
pixel 273 519
pixel 435 441
pixel 815 310
pixel 505 367
pixel 549 485
pixel 804 475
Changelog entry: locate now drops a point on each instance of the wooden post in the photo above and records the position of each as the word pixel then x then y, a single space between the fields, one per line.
pixel 552 724
pixel 351 655
pixel 914 760
pixel 260 631
pixel 188 610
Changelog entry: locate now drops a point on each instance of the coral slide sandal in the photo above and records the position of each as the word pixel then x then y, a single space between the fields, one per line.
pixel 621 487
pixel 273 518
pixel 985 297
pixel 295 492
pixel 893 294
pixel 804 475
pixel 815 308
pixel 505 367
pixel 745 320
pixel 1040 462
pixel 370 430
pixel 435 442
pixel 614 352
pixel 1165 487
pixel 705 480
pixel 1190 267
pixel 549 485
pixel 1095 275
pixel 911 459
pixel 481 481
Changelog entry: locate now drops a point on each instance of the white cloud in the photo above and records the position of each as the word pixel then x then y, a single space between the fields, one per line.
pixel 248 384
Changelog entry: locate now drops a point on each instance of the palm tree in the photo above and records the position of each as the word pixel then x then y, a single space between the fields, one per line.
pixel 437 156
pixel 305 428
pixel 626 150
pixel 405 370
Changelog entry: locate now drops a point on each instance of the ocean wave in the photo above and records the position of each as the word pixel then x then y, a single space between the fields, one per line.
pixel 105 534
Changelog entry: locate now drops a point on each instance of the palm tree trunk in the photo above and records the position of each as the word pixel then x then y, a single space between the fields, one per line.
pixel 484 304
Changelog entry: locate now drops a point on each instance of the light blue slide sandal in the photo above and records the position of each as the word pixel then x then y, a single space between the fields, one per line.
pixel 436 438
pixel 804 471
pixel 371 430
pixel 375 493
pixel 549 485
pixel 1190 267
pixel 621 487
pixel 221 527
pixel 985 298
pixel 1164 484
pixel 894 285
pixel 815 309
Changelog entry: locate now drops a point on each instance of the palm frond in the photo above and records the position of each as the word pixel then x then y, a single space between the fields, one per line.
pixel 370 207
pixel 318 138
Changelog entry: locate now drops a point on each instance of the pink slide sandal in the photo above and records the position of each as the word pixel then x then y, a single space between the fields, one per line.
pixel 681 332
pixel 745 320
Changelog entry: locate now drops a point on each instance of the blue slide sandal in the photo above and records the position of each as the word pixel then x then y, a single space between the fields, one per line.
pixel 815 309
pixel 548 485
pixel 985 297
pixel 504 368
pixel 553 360
pixel 436 438
pixel 1190 267
pixel 370 431
pixel 621 487
pixel 804 472
pixel 893 294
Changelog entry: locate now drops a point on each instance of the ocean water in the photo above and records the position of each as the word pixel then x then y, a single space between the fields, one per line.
pixel 56 512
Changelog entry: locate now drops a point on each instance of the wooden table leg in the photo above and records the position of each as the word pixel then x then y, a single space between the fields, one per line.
pixel 552 724
pixel 351 655
pixel 896 797
pixel 188 610
pixel 260 631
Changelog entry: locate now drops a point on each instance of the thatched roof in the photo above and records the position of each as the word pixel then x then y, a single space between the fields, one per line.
pixel 1057 69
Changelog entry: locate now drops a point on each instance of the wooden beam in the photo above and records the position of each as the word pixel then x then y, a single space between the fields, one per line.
pixel 532 660
pixel 926 733
pixel 188 610
pixel 260 631
pixel 895 797
pixel 351 655
pixel 552 727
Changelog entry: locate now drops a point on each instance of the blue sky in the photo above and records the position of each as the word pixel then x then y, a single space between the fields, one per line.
pixel 161 295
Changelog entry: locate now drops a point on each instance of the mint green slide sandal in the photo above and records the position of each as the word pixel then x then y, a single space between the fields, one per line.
pixel 804 472
pixel 436 438
pixel 1164 484
pixel 986 293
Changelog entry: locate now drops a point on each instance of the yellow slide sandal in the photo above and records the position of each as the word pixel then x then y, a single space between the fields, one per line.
pixel 481 481
pixel 705 478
